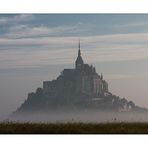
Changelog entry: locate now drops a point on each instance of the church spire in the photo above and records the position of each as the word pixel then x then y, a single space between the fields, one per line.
pixel 79 60
pixel 79 51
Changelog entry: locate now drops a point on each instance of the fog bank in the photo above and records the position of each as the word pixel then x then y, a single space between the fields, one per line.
pixel 80 116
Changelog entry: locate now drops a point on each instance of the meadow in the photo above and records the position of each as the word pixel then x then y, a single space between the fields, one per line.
pixel 73 128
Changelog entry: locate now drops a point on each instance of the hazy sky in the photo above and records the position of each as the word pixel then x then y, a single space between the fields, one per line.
pixel 34 48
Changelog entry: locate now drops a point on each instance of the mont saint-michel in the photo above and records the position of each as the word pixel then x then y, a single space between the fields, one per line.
pixel 79 88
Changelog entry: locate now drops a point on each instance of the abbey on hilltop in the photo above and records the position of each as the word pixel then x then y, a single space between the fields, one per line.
pixel 78 88
pixel 81 80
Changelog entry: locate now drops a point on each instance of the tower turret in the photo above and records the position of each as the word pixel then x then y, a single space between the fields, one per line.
pixel 101 76
pixel 79 61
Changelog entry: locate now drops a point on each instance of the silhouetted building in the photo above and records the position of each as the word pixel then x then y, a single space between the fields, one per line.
pixel 81 80
pixel 78 88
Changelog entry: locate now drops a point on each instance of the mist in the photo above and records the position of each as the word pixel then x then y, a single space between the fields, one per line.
pixel 85 116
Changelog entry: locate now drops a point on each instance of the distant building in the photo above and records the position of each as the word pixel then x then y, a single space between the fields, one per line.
pixel 78 88
pixel 81 80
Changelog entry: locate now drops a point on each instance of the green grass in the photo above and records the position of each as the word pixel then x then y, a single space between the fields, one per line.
pixel 73 128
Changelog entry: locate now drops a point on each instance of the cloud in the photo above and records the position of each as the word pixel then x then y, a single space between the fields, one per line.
pixel 126 40
pixel 27 31
pixel 134 24
pixel 41 51
pixel 15 19
pixel 24 31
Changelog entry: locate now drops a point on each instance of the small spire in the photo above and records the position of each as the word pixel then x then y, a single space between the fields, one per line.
pixel 79 52
pixel 101 76
pixel 79 43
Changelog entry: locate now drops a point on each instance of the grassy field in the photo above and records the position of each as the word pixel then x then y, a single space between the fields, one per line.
pixel 73 128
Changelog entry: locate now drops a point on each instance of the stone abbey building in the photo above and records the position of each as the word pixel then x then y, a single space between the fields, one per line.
pixel 78 88
pixel 81 80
